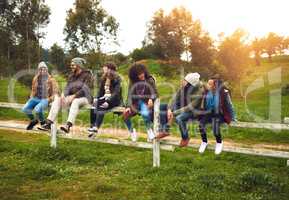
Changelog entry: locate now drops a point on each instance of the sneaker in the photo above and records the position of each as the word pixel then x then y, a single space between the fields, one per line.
pixel 162 135
pixel 203 147
pixel 219 148
pixel 45 126
pixel 32 124
pixel 66 128
pixel 92 131
pixel 133 135
pixel 151 134
pixel 184 142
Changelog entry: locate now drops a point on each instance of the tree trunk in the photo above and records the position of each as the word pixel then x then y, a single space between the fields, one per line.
pixel 27 48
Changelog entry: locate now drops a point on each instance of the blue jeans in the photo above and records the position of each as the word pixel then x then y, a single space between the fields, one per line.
pixel 146 115
pixel 36 104
pixel 182 120
pixel 164 124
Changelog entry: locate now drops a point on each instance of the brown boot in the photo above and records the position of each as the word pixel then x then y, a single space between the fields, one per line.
pixel 184 143
pixel 162 135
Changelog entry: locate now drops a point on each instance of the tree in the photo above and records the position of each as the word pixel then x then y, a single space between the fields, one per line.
pixel 33 15
pixel 57 57
pixel 21 23
pixel 177 33
pixel 149 51
pixel 201 47
pixel 163 33
pixel 272 44
pixel 87 25
pixel 234 54
pixel 257 46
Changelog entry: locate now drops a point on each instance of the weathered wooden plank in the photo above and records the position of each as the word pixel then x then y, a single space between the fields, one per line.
pixel 271 126
pixel 241 150
pixel 53 142
pixel 19 106
pixel 156 143
pixel 128 143
pixel 145 145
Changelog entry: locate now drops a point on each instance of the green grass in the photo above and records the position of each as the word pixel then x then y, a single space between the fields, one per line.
pixel 21 93
pixel 29 169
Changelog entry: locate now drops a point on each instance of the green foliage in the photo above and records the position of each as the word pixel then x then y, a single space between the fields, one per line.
pixel 234 54
pixel 19 34
pixel 57 57
pixel 149 51
pixel 88 24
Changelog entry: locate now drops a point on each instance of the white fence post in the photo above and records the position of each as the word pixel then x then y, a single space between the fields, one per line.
pixel 156 143
pixel 53 141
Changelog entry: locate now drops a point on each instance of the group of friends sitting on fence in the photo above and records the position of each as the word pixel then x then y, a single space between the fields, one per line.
pixel 206 103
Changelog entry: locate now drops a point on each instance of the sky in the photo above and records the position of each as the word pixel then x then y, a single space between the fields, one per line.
pixel 257 17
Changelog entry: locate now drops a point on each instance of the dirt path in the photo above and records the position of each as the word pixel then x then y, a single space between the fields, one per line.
pixel 123 134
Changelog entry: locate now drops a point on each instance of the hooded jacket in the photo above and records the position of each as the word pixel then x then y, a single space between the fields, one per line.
pixel 80 85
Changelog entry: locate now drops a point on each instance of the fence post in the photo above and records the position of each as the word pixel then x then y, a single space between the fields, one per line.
pixel 156 143
pixel 53 141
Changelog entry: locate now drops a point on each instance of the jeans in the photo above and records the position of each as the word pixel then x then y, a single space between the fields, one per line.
pixel 164 124
pixel 182 120
pixel 216 123
pixel 97 113
pixel 36 104
pixel 146 115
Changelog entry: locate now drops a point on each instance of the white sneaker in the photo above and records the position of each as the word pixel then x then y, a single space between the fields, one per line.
pixel 219 148
pixel 92 131
pixel 133 135
pixel 151 134
pixel 203 147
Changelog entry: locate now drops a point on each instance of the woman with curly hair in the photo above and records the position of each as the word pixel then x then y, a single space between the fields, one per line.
pixel 141 96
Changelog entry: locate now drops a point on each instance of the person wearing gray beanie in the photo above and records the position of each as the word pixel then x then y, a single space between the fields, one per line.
pixel 79 61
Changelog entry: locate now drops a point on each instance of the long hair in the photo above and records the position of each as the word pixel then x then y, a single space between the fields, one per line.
pixel 112 74
pixel 137 69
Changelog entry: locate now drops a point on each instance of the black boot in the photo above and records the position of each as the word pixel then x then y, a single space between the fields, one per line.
pixel 67 127
pixel 45 126
pixel 32 124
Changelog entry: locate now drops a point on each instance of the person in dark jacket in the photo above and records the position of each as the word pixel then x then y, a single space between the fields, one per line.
pixel 185 106
pixel 141 97
pixel 77 93
pixel 109 96
pixel 217 108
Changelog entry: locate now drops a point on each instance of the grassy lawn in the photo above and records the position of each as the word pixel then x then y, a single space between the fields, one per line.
pixel 29 169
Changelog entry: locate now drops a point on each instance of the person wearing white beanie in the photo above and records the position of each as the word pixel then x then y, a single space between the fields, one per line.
pixel 193 78
pixel 44 89
pixel 42 65
pixel 184 106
